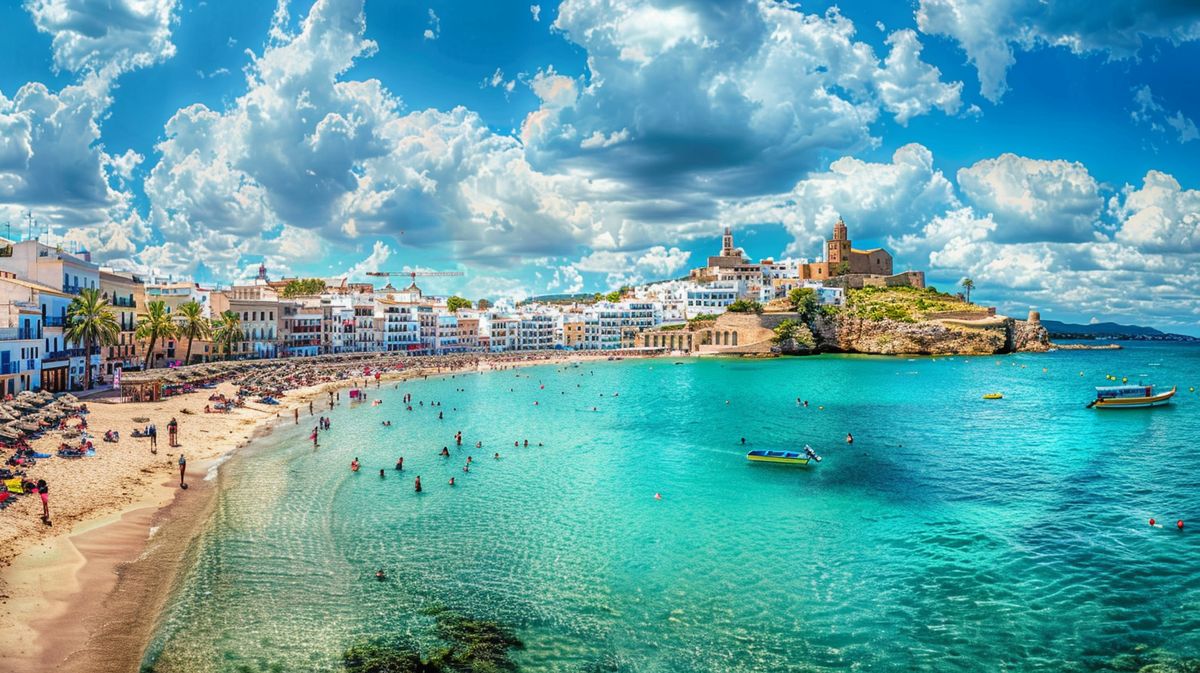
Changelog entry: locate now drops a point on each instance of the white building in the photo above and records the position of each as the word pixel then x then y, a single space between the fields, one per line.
pixel 52 267
pixel 20 335
pixel 539 329
pixel 445 339
pixel 605 323
pixel 710 298
pixel 399 326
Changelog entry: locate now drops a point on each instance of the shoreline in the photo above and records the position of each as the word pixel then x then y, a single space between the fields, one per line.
pixel 87 596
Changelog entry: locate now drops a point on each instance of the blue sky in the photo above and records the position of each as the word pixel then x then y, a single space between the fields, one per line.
pixel 1048 152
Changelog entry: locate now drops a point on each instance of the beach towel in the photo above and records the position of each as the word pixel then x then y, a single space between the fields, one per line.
pixel 14 486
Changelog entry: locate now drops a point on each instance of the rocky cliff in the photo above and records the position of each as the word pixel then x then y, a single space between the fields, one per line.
pixel 849 334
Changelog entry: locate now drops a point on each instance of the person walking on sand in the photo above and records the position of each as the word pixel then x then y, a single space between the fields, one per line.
pixel 153 432
pixel 44 491
pixel 182 469
pixel 296 415
pixel 173 432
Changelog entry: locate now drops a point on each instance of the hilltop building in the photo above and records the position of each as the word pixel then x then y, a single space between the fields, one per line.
pixel 844 266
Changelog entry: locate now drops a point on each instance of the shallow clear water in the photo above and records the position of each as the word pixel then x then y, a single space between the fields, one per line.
pixel 955 534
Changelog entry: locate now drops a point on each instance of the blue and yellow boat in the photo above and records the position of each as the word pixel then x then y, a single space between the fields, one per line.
pixel 1129 397
pixel 785 457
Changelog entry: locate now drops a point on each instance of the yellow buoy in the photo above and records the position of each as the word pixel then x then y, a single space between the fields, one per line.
pixel 1124 379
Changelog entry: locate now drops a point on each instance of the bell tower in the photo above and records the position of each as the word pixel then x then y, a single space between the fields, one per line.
pixel 837 249
pixel 727 243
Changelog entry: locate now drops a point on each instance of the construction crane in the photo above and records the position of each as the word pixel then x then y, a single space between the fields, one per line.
pixel 413 274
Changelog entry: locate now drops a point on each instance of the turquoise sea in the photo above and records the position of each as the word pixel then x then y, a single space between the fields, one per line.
pixel 955 534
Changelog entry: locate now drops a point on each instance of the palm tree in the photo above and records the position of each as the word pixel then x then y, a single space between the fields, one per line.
pixel 227 331
pixel 968 285
pixel 193 325
pixel 156 325
pixel 91 322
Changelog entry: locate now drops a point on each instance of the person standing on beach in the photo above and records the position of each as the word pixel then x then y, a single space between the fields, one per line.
pixel 310 408
pixel 173 432
pixel 153 432
pixel 44 491
pixel 182 469
pixel 296 415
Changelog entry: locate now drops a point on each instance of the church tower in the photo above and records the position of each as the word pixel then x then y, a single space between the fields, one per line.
pixel 837 249
pixel 727 244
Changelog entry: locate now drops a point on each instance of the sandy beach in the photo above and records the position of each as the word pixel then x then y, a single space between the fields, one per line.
pixel 83 594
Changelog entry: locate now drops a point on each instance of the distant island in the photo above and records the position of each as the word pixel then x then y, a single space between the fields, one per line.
pixel 1110 331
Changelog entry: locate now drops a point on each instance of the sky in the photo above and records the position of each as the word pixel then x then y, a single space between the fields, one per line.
pixel 1048 151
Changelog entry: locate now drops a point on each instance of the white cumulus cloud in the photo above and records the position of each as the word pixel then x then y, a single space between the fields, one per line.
pixel 1033 199
pixel 990 30
pixel 87 34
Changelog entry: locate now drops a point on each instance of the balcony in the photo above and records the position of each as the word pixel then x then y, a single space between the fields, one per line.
pixel 124 302
pixel 18 334
pixel 54 321
pixel 63 354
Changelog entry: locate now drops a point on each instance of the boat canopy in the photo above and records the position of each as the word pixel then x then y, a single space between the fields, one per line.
pixel 1123 391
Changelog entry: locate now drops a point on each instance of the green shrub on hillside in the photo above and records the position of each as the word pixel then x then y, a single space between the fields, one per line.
pixel 903 304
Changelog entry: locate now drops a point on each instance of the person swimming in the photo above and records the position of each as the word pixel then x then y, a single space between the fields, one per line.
pixel 381 473
pixel 479 445
pixel 417 484
pixel 400 463
pixel 445 452
pixel 354 465
pixel 849 438
pixel 451 481
pixel 496 455
pixel 380 575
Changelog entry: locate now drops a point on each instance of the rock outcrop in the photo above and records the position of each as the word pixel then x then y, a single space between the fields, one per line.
pixel 753 334
pixel 849 334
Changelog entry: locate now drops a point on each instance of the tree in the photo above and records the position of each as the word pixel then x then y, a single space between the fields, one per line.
pixel 483 304
pixel 968 285
pixel 456 302
pixel 842 269
pixel 91 322
pixel 745 306
pixel 303 286
pixel 805 302
pixel 193 325
pixel 613 296
pixel 227 331
pixel 156 325
pixel 785 331
pixel 791 334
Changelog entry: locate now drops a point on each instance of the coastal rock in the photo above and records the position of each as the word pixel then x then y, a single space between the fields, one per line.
pixel 1029 336
pixel 851 334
